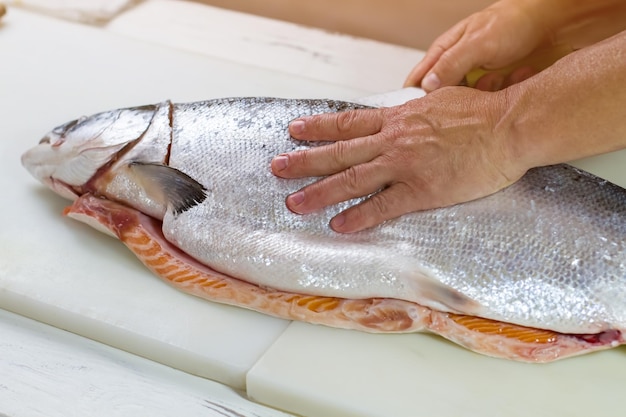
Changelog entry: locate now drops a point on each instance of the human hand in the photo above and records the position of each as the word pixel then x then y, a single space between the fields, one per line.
pixel 435 151
pixel 495 37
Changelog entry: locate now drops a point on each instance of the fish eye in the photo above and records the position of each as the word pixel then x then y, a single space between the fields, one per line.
pixel 61 130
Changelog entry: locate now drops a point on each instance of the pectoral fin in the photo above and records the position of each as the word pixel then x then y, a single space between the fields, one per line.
pixel 175 189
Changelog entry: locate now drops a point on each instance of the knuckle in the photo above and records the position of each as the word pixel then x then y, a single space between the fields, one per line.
pixel 338 151
pixel 298 159
pixel 351 180
pixel 397 164
pixel 345 120
pixel 301 163
pixel 438 48
pixel 380 204
pixel 368 214
pixel 450 62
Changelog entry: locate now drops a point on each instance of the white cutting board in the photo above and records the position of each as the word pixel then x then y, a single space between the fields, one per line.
pixel 63 273
pixel 320 371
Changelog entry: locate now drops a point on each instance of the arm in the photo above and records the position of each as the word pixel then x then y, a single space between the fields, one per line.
pixel 575 108
pixel 457 144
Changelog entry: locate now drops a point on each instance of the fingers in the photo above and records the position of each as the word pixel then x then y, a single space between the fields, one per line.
pixel 415 77
pixel 423 74
pixel 381 206
pixel 329 159
pixel 388 204
pixel 451 67
pixel 337 126
pixel 353 182
pixel 442 67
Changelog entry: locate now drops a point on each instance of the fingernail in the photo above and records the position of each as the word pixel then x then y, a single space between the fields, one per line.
pixel 295 199
pixel 280 162
pixel 297 126
pixel 338 221
pixel 431 82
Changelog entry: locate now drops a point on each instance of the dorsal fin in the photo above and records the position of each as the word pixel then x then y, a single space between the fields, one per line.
pixel 180 191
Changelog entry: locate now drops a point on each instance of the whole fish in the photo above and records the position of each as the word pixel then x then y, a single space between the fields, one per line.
pixel 535 272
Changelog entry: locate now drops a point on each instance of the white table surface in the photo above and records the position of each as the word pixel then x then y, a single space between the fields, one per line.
pixel 309 370
pixel 45 371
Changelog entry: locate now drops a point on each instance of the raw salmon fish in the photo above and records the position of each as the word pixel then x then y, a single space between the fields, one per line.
pixel 535 272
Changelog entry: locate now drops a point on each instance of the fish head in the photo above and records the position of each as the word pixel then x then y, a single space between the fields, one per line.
pixel 71 155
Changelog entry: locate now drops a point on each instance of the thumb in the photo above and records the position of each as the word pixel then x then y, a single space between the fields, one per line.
pixel 415 77
pixel 445 62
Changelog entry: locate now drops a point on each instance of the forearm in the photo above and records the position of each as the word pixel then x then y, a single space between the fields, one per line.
pixel 593 26
pixel 558 15
pixel 575 108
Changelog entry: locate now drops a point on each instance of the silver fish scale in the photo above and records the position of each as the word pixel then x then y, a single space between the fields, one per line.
pixel 546 252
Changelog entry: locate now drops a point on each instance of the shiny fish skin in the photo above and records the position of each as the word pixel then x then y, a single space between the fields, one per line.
pixel 547 252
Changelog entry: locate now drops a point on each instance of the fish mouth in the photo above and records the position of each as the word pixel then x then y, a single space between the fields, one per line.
pixel 61 188
pixel 35 163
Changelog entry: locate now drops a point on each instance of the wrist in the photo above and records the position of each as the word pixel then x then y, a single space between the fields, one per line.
pixel 512 133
